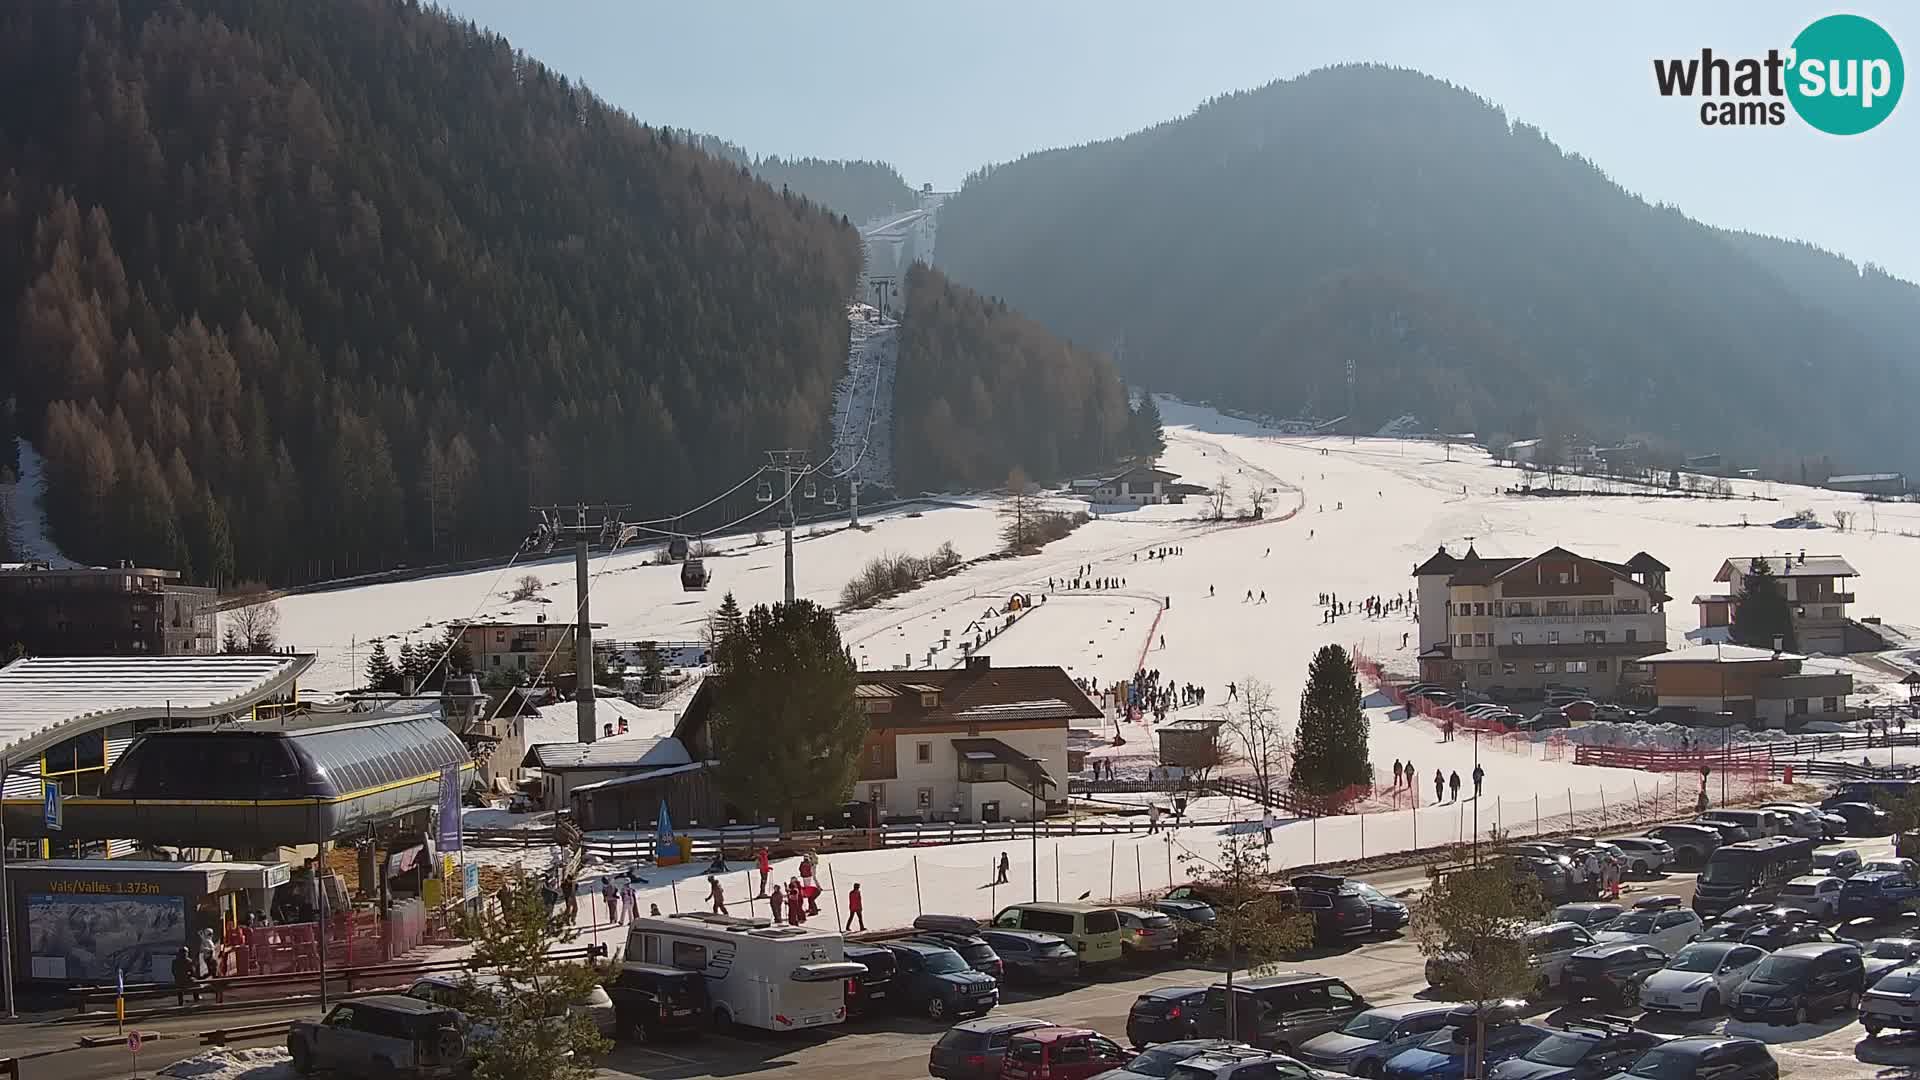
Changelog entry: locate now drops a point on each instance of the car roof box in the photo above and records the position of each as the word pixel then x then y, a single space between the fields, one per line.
pixel 953 924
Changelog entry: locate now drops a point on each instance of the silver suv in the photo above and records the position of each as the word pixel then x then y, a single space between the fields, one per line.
pixel 387 1036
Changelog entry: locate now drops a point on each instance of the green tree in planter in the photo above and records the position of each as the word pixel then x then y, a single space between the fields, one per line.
pixel 785 731
pixel 1330 744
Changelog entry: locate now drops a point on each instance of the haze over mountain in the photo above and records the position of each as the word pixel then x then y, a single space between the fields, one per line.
pixel 1460 265
pixel 861 190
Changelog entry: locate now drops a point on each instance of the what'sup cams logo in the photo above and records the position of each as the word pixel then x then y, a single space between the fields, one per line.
pixel 1842 75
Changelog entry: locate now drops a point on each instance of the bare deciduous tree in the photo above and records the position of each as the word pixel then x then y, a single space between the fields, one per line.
pixel 252 629
pixel 1219 498
pixel 527 587
pixel 1258 496
pixel 1258 737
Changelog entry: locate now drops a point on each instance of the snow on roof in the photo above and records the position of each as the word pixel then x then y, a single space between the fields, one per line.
pixel 557 723
pixel 1800 566
pixel 1718 654
pixel 1046 709
pixel 641 777
pixel 41 693
pixel 620 752
pixel 1864 478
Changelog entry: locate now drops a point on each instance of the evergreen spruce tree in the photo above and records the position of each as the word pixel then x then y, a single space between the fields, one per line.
pixel 1764 613
pixel 459 657
pixel 786 737
pixel 1330 747
pixel 409 665
pixel 381 674
pixel 722 624
pixel 653 666
pixel 1145 436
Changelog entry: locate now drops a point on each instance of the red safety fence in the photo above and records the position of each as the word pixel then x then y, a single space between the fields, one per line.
pixel 1649 759
pixel 354 939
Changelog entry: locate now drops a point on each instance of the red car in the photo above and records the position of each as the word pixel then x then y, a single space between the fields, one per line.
pixel 1060 1053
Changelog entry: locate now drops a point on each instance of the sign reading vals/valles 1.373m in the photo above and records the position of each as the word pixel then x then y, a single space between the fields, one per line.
pixel 1842 75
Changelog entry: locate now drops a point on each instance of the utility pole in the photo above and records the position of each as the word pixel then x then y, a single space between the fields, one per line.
pixel 791 465
pixel 588 522
pixel 853 501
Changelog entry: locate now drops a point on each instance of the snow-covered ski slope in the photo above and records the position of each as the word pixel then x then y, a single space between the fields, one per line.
pixel 863 403
pixel 26 522
pixel 1367 511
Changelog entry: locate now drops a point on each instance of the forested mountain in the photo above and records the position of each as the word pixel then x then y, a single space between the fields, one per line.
pixel 291 287
pixel 1468 270
pixel 861 190
pixel 981 389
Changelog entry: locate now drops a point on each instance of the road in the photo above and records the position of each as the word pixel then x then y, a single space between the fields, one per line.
pixel 895 1048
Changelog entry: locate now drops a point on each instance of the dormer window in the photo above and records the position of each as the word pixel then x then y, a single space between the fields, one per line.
pixel 929 699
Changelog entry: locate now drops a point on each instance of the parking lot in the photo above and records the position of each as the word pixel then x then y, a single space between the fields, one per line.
pixel 896 1048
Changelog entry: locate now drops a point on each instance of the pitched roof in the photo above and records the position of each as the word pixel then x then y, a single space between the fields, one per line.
pixel 1800 566
pixel 1718 654
pixel 1474 570
pixel 1864 478
pixel 982 694
pixel 79 693
pixel 1437 563
pixel 557 722
pixel 619 752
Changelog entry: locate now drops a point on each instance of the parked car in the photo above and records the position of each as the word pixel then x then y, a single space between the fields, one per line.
pixel 972 948
pixel 1549 948
pixel 1898 865
pixel 1339 910
pixel 1443 1055
pixel 1892 1002
pixel 1817 894
pixel 1157 1062
pixel 1645 855
pixel 1842 864
pixel 1729 832
pixel 1705 1057
pixel 872 992
pixel 1166 1014
pixel 1092 929
pixel 1863 819
pixel 935 981
pixel 1802 981
pixel 1611 973
pixel 1030 956
pixel 1546 720
pixel 1576 876
pixel 1700 978
pixel 594 1004
pixel 1241 1063
pixel 1691 843
pixel 1547 872
pixel 652 1002
pixel 1877 894
pixel 388 1035
pixel 1362 1046
pixel 1279 1012
pixel 974 1049
pixel 1591 914
pixel 1801 820
pixel 1590 1048
pixel 1389 914
pixel 1193 911
pixel 1146 934
pixel 1787 926
pixel 1665 929
pixel 1060 1053
pixel 1885 954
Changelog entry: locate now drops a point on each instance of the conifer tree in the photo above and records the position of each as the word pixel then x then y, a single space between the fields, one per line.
pixel 409 665
pixel 786 737
pixel 1330 747
pixel 1764 613
pixel 722 624
pixel 1145 435
pixel 381 674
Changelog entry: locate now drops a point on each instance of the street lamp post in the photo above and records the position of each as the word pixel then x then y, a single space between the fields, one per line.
pixel 1233 1005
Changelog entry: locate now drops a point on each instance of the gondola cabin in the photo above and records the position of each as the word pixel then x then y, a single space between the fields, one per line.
pixel 693 575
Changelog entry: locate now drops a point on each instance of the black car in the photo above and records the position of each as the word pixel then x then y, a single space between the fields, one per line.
pixel 1863 819
pixel 972 948
pixel 651 1002
pixel 1166 1014
pixel 1033 957
pixel 1611 973
pixel 1706 1057
pixel 935 981
pixel 973 1049
pixel 1588 1049
pixel 1389 914
pixel 872 992
pixel 1802 981
pixel 1338 908
pixel 1788 926
pixel 1691 844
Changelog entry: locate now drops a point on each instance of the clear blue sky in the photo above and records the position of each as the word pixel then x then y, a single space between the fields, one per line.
pixel 939 89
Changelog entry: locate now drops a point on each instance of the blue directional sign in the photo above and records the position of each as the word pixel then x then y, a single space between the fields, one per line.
pixel 50 813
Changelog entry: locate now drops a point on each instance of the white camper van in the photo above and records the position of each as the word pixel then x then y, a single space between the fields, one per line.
pixel 781 978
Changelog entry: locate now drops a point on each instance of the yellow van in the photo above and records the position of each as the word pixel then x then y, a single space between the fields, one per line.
pixel 1092 929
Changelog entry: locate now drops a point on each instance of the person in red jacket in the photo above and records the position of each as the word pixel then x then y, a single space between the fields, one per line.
pixel 796 905
pixel 766 870
pixel 854 908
